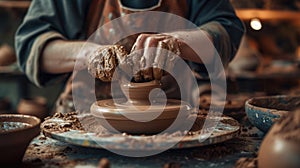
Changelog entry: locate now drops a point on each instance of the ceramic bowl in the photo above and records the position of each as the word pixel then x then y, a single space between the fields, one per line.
pixel 280 147
pixel 276 151
pixel 262 112
pixel 16 132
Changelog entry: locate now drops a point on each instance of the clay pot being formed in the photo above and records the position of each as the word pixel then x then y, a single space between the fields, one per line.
pixel 16 132
pixel 36 107
pixel 138 93
pixel 131 115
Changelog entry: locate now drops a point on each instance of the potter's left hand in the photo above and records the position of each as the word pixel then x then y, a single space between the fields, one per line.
pixel 151 54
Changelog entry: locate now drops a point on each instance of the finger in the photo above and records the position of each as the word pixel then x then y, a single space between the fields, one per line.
pixel 136 70
pixel 136 54
pixel 172 55
pixel 144 70
pixel 149 55
pixel 159 61
pixel 124 69
pixel 139 43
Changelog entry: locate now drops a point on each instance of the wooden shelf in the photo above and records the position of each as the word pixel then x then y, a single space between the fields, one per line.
pixel 15 4
pixel 247 14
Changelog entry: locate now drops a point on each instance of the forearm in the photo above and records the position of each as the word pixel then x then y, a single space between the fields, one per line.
pixel 60 56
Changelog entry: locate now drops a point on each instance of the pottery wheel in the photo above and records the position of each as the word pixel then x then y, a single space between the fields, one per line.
pixel 116 108
pixel 227 128
pixel 122 116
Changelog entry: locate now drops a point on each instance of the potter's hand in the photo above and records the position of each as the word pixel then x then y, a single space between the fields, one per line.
pixel 104 60
pixel 151 54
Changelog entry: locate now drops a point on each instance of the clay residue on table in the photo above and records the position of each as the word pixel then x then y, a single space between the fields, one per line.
pixel 87 123
pixel 71 121
pixel 41 153
pixel 230 122
pixel 64 122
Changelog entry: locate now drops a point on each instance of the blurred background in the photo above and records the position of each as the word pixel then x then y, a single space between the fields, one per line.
pixel 15 89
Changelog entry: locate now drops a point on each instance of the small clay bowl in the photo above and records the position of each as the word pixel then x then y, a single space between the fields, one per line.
pixel 262 112
pixel 33 106
pixel 16 132
pixel 138 93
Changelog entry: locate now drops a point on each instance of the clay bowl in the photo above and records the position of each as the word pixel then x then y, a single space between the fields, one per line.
pixel 280 147
pixel 262 112
pixel 277 152
pixel 130 115
pixel 33 106
pixel 138 93
pixel 16 132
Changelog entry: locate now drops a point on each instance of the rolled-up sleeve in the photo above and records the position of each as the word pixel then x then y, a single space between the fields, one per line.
pixel 218 18
pixel 47 20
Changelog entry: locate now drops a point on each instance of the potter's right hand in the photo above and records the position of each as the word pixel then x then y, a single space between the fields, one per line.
pixel 153 53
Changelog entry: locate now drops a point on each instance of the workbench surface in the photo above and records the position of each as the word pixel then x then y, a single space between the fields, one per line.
pixel 46 152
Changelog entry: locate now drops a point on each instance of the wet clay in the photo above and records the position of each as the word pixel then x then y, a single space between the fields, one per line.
pixel 103 63
pixel 68 121
pixel 105 60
